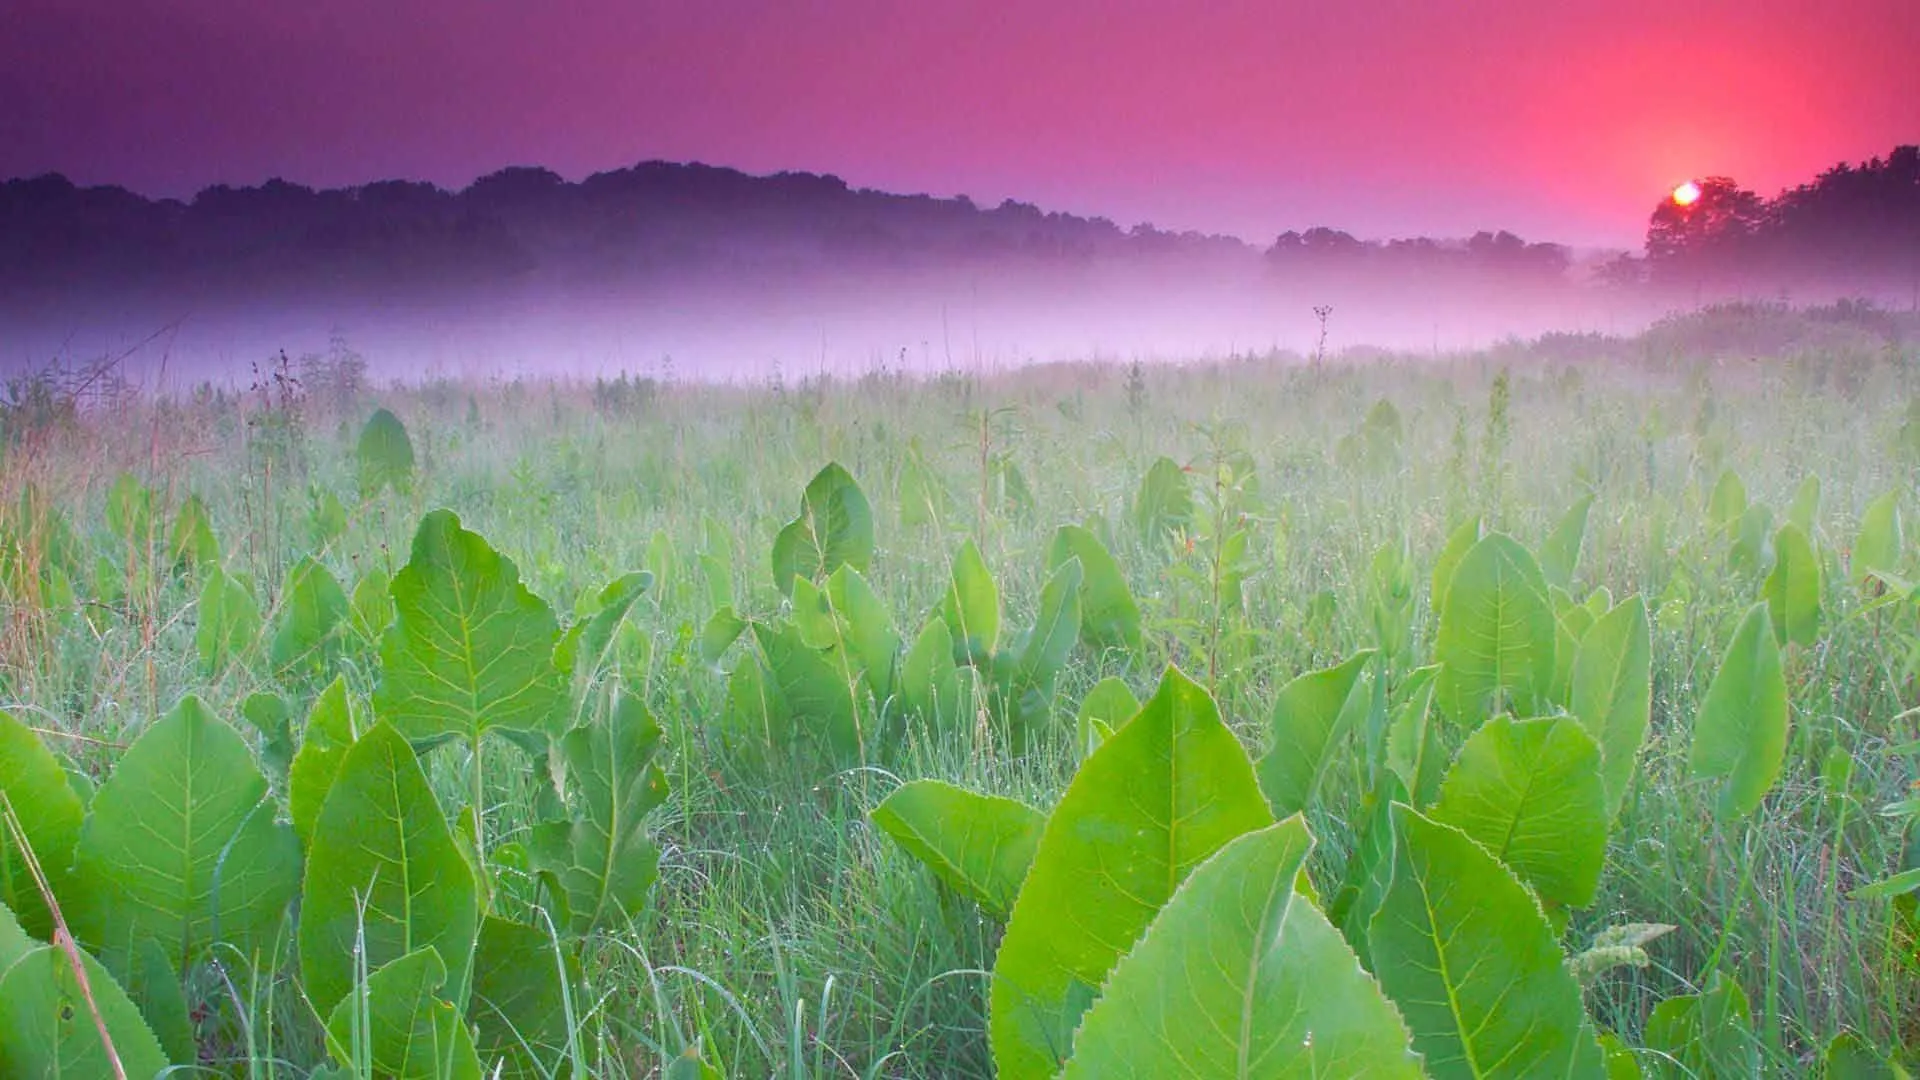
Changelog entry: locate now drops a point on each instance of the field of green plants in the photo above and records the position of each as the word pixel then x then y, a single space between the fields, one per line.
pixel 1510 714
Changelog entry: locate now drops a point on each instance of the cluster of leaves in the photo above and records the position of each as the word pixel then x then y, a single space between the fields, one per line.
pixel 831 670
pixel 1160 920
pixel 420 952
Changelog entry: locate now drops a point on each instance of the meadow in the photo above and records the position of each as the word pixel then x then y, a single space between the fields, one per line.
pixel 1547 709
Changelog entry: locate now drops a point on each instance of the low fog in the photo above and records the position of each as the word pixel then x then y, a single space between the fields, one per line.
pixel 691 272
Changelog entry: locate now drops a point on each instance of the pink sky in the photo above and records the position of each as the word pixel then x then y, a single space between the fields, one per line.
pixel 1558 120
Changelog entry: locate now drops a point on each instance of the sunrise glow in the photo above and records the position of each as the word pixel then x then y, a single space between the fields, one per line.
pixel 1686 194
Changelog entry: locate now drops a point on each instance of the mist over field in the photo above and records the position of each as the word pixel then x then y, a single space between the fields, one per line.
pixel 704 273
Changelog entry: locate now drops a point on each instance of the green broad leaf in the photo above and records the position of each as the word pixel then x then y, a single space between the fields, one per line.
pixel 402 1026
pixel 1497 634
pixel 193 545
pixel 1740 733
pixel 384 455
pixel 687 1065
pixel 383 864
pixel 1709 1034
pixel 519 1007
pixel 931 684
pixel 1848 1057
pixel 1792 590
pixel 971 608
pixel 980 845
pixel 1881 546
pixel 867 630
pixel 1529 791
pixel 1899 884
pixel 268 714
pixel 1728 502
pixel 313 605
pixel 1612 693
pixel 1106 707
pixel 1158 798
pixel 1621 1063
pixel 816 691
pixel 1109 615
pixel 1459 542
pixel 49 813
pixel 1306 730
pixel 1164 503
pixel 47 1025
pixel 755 720
pixel 1413 752
pixel 834 529
pixel 586 645
pixel 1279 996
pixel 180 845
pixel 723 628
pixel 1804 511
pixel 470 648
pixel 330 730
pixel 1752 549
pixel 1560 552
pixel 1056 627
pixel 370 609
pixel 144 971
pixel 229 621
pixel 1571 622
pixel 1462 948
pixel 603 858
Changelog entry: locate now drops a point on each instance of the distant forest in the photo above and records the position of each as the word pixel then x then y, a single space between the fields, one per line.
pixel 1858 224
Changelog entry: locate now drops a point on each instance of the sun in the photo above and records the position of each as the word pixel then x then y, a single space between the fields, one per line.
pixel 1686 194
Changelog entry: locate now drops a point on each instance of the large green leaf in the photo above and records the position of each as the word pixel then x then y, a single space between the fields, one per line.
pixel 1560 552
pixel 1156 800
pixel 313 605
pixel 815 691
pixel 1704 1036
pixel 1241 977
pixel 1881 544
pixel 48 1029
pixel 1612 693
pixel 1164 502
pixel 384 865
pixel 1740 733
pixel 1463 949
pixel 49 813
pixel 834 529
pixel 1413 750
pixel 402 1026
pixel 584 648
pixel 931 684
pixel 1107 706
pixel 193 545
pixel 981 845
pixel 1529 791
pixel 867 629
pixel 1459 542
pixel 603 859
pixel 1497 633
pixel 330 729
pixel 180 845
pixel 229 620
pixel 1792 590
pixel 384 456
pixel 470 648
pixel 1728 501
pixel 1306 731
pixel 1109 615
pixel 971 607
pixel 519 998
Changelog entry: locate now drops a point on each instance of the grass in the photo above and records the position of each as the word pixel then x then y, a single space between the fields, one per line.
pixel 787 936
